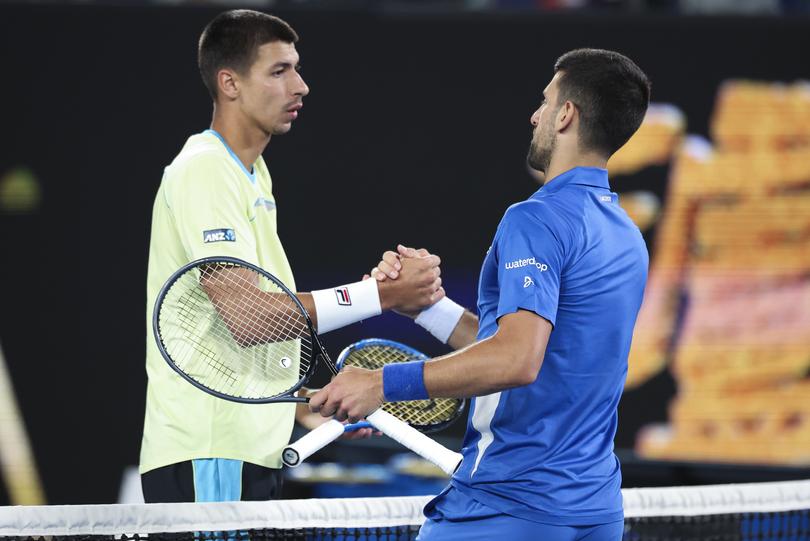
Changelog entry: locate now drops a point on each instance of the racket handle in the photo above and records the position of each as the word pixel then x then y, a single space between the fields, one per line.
pixel 315 440
pixel 414 440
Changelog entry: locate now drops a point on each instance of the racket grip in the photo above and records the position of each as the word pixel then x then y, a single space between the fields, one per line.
pixel 318 438
pixel 414 440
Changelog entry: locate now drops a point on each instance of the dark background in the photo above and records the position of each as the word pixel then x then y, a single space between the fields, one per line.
pixel 415 131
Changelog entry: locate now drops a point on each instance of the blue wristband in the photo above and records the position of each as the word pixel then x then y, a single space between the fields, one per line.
pixel 404 381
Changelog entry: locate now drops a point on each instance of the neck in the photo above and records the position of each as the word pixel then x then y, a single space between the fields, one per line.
pixel 246 142
pixel 563 161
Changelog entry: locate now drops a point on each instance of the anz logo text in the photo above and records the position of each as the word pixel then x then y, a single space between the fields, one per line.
pixel 219 235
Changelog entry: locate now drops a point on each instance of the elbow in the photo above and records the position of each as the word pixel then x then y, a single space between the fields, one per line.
pixel 525 371
pixel 527 376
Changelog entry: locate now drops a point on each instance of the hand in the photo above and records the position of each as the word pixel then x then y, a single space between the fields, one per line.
pixel 391 266
pixel 352 394
pixel 311 421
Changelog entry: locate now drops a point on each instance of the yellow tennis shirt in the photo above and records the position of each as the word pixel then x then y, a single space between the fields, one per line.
pixel 209 204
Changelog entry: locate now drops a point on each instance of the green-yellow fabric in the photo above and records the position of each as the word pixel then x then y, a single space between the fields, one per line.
pixel 206 189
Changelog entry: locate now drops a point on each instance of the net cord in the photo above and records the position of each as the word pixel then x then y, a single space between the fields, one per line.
pixel 366 512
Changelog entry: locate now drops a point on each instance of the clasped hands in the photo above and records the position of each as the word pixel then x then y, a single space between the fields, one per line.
pixel 409 281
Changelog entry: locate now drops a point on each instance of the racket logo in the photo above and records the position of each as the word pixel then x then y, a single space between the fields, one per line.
pixel 343 296
pixel 285 362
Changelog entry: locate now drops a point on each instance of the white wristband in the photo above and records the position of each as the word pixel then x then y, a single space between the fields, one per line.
pixel 441 318
pixel 344 305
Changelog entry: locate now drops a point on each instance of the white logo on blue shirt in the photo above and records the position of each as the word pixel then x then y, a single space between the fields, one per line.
pixel 527 281
pixel 518 263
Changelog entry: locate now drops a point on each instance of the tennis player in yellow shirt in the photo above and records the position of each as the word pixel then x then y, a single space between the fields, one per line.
pixel 216 198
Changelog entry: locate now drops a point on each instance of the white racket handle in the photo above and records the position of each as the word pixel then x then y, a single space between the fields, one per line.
pixel 414 440
pixel 318 438
pixel 386 423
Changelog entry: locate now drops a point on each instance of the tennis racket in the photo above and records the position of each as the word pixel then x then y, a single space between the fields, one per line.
pixel 235 331
pixel 424 415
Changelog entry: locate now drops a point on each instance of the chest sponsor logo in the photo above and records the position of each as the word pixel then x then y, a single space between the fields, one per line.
pixel 219 235
pixel 520 263
pixel 527 281
pixel 343 298
pixel 267 204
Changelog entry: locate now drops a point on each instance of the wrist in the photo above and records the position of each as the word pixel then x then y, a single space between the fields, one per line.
pixel 383 289
pixel 404 381
pixel 344 305
pixel 441 319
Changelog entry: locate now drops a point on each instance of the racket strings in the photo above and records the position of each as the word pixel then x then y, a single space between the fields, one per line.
pixel 421 413
pixel 241 297
pixel 235 331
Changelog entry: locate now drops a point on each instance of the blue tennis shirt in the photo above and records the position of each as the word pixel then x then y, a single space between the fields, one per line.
pixel 544 451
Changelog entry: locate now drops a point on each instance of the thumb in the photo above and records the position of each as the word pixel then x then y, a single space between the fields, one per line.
pixel 405 251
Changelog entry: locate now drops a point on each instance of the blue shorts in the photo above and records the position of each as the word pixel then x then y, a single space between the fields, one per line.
pixel 452 516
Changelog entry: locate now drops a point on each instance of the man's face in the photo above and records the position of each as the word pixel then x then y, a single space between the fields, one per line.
pixel 544 136
pixel 272 92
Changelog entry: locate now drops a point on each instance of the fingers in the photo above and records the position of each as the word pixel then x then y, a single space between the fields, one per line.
pixel 438 295
pixel 388 270
pixel 392 259
pixel 404 251
pixel 317 400
pixel 379 276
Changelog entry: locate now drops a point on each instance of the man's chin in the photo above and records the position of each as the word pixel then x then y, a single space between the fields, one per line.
pixel 282 128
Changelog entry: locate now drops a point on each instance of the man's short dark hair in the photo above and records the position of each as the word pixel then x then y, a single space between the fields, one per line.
pixel 611 93
pixel 232 40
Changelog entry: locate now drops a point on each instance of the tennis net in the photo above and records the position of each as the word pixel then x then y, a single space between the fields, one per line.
pixel 761 512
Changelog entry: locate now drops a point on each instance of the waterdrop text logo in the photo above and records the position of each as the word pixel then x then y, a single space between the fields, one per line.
pixel 520 263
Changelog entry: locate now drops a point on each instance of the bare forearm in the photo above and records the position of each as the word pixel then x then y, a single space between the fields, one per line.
pixel 510 358
pixel 480 369
pixel 465 332
pixel 309 306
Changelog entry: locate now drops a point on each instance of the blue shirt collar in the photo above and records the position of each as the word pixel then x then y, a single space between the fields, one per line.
pixel 250 174
pixel 595 177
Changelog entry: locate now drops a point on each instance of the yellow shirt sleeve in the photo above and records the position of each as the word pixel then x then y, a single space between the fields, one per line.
pixel 211 209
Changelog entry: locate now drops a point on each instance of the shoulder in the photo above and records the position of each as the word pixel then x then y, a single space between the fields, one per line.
pixel 202 164
pixel 533 213
pixel 197 158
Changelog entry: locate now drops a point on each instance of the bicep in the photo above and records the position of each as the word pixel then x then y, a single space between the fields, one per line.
pixel 526 334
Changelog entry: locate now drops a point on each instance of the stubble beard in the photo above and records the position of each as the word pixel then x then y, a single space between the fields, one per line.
pixel 540 152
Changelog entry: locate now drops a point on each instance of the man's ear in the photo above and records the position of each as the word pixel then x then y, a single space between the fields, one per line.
pixel 565 116
pixel 228 83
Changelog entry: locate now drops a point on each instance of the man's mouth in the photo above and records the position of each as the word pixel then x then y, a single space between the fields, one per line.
pixel 293 110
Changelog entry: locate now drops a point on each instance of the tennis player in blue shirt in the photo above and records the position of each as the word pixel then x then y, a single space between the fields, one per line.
pixel 546 358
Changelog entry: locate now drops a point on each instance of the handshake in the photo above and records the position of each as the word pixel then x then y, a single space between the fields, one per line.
pixel 408 280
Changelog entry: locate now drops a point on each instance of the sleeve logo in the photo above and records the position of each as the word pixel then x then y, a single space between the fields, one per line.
pixel 219 235
pixel 343 298
pixel 519 263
